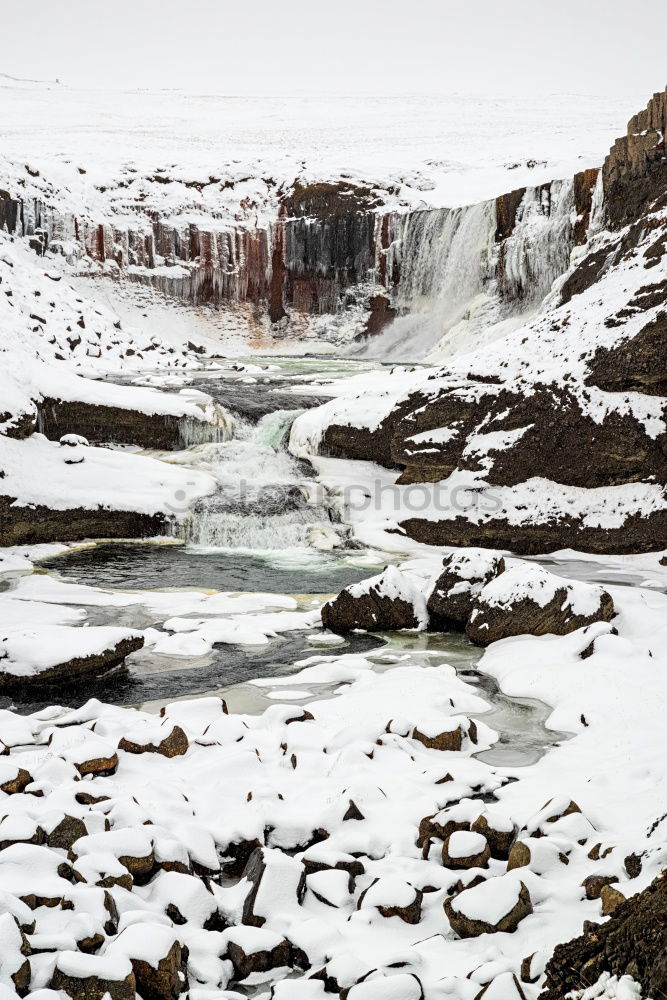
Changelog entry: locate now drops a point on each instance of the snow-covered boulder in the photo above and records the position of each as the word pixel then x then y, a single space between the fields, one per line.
pixel 94 976
pixel 440 732
pixel 254 951
pixel 528 600
pixel 73 446
pixel 464 573
pixel 14 949
pixel 160 736
pixel 499 904
pixel 499 831
pixel 393 897
pixel 383 603
pixel 157 958
pixel 274 880
pixel 61 654
pixel 13 778
pixel 464 849
pixel 132 848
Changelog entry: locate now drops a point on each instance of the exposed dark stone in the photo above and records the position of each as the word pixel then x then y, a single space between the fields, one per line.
pixel 500 841
pixel 167 981
pixel 490 622
pixel 30 525
pixel 593 884
pixel 93 988
pixel 507 206
pixel 632 942
pixel 71 671
pixel 637 534
pixel 584 184
pixel 102 424
pixel 259 961
pixel 380 315
pixel 634 365
pixel 67 831
pixel 585 274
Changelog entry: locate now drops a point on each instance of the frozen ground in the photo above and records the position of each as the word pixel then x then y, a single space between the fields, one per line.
pixel 426 150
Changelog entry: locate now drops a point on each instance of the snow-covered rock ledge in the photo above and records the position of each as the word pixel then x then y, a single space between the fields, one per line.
pixel 109 494
pixel 61 655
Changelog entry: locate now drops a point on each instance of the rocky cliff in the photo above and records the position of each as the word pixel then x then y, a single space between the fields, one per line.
pixel 565 418
pixel 331 249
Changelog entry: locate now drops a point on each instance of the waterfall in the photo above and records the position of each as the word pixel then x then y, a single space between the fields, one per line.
pixel 457 287
pixel 209 526
pixel 217 424
pixel 538 251
pixel 445 261
pixel 446 257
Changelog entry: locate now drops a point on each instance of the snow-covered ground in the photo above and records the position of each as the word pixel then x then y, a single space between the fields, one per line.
pixel 123 831
pixel 435 152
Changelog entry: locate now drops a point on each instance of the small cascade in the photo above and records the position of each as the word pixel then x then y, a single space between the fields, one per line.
pixel 273 428
pixel 215 526
pixel 263 502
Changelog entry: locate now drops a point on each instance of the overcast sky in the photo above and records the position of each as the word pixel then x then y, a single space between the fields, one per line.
pixel 343 47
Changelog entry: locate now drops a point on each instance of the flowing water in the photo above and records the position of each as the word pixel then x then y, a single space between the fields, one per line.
pixel 268 528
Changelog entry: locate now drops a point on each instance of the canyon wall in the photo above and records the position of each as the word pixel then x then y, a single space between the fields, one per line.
pixel 331 246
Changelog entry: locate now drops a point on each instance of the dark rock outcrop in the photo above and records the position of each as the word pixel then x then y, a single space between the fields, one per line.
pixel 23 525
pixel 638 364
pixel 387 603
pixel 530 602
pixel 636 534
pixel 632 942
pixel 109 424
pixel 634 173
pixel 71 671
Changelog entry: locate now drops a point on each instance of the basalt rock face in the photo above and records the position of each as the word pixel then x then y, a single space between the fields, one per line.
pixel 104 424
pixel 634 174
pixel 331 246
pixel 33 525
pixel 632 942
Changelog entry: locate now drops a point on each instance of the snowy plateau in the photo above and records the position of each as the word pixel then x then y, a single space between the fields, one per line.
pixel 333 565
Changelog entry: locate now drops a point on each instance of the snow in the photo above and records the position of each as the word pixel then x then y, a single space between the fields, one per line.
pixel 27 653
pixel 113 968
pixel 428 148
pixel 528 581
pixel 609 987
pixel 490 901
pixel 462 844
